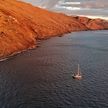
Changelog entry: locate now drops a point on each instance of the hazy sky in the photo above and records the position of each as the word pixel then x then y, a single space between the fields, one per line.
pixel 83 3
pixel 98 8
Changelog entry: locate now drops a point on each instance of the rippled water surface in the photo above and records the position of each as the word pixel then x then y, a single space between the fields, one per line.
pixel 42 78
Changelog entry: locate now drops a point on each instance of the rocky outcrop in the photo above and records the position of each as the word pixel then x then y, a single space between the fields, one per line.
pixel 93 24
pixel 97 24
pixel 22 24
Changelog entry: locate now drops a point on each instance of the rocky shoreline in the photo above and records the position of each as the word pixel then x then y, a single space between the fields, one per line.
pixel 22 24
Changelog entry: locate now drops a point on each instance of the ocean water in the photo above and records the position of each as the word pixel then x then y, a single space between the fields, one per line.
pixel 42 78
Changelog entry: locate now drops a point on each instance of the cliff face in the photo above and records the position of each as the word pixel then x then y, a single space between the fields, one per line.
pixel 21 24
pixel 93 24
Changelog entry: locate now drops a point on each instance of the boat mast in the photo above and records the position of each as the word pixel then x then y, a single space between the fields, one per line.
pixel 78 70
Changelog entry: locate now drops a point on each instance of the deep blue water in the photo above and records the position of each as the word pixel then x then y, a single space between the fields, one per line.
pixel 42 78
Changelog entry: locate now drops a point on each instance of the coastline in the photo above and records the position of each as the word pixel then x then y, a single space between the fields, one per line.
pixel 21 29
pixel 39 41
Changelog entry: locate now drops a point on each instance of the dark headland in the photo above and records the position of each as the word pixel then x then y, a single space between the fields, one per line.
pixel 22 24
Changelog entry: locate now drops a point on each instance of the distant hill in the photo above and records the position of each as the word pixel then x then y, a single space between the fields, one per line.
pixel 22 24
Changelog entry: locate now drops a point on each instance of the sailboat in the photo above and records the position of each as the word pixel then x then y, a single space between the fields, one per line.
pixel 78 74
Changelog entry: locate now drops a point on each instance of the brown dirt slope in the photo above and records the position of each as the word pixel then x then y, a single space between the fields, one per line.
pixel 21 24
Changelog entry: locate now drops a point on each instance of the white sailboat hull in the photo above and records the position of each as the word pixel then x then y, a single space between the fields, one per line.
pixel 77 76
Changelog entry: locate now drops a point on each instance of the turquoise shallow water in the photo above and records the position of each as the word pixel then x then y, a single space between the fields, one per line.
pixel 42 78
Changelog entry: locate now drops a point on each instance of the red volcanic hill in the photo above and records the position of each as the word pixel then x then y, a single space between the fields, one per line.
pixel 21 24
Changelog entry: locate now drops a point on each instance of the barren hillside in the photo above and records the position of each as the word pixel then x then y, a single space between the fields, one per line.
pixel 21 24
